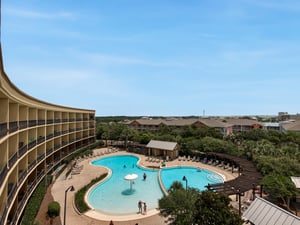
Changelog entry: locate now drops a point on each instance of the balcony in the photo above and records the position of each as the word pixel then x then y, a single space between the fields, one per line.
pixel 22 150
pixel 31 144
pixel 3 129
pixel 12 189
pixel 31 165
pixel 50 121
pixel 40 139
pixel 56 133
pixel 40 157
pixel 13 126
pixel 12 160
pixel 65 120
pixel 41 122
pixel 3 174
pixel 22 175
pixel 49 136
pixel 32 123
pixel 56 147
pixel 49 151
pixel 57 120
pixel 23 124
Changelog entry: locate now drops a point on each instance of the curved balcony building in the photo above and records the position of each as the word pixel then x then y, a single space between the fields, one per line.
pixel 35 136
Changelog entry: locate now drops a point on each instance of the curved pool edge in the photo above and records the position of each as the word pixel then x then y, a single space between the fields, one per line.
pixel 91 188
pixel 95 214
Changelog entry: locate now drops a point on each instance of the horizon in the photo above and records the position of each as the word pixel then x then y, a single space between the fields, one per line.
pixel 158 58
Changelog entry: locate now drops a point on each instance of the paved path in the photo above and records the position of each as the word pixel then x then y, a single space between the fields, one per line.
pixel 89 172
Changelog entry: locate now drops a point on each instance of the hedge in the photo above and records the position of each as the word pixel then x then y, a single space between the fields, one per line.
pixel 79 196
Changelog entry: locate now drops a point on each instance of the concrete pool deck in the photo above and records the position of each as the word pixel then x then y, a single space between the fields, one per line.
pixel 87 172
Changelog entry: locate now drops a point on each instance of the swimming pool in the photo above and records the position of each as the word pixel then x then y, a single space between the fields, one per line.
pixel 113 196
pixel 196 178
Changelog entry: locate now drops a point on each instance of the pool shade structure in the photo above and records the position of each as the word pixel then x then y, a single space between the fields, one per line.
pixel 131 178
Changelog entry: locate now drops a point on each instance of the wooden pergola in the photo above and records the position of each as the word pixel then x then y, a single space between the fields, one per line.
pixel 249 177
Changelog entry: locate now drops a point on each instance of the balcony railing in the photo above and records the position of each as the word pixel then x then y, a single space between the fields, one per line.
pixel 41 139
pixel 50 121
pixel 41 121
pixel 3 174
pixel 11 193
pixel 22 150
pixel 40 157
pixel 32 123
pixel 56 147
pixel 3 129
pixel 56 133
pixel 49 136
pixel 12 160
pixel 49 151
pixel 2 219
pixel 22 175
pixel 57 120
pixel 31 144
pixel 31 165
pixel 23 124
pixel 13 126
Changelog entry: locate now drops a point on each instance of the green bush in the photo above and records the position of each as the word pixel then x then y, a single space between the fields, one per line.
pixel 53 209
pixel 34 202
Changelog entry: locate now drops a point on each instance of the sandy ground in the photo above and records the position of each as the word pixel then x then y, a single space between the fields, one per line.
pixel 89 172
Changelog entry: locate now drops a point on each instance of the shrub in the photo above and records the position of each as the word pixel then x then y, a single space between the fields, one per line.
pixel 34 202
pixel 53 209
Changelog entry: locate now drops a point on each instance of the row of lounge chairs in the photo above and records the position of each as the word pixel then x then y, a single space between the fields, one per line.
pixel 189 158
pixel 218 163
pixel 153 159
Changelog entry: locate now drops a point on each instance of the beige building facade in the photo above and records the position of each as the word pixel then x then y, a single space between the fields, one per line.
pixel 35 138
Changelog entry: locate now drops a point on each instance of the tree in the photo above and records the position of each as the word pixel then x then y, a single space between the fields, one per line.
pixel 279 187
pixel 187 207
pixel 214 209
pixel 179 205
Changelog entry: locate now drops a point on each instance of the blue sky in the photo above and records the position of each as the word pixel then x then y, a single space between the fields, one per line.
pixel 158 57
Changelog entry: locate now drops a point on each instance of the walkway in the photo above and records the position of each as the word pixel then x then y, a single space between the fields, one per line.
pixel 87 172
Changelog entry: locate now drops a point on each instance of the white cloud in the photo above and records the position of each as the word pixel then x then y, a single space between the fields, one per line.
pixel 38 15
pixel 128 60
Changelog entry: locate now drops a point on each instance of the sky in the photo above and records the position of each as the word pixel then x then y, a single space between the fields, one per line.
pixel 158 57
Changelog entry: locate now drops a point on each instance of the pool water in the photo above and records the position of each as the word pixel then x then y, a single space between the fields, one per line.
pixel 196 178
pixel 114 195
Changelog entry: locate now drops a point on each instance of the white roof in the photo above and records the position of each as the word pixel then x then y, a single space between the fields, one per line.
pixel 296 181
pixel 164 145
pixel 263 212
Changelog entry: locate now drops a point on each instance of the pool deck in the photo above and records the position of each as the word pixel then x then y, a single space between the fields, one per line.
pixel 86 172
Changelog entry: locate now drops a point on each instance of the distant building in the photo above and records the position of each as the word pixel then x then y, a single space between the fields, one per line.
pixel 156 124
pixel 271 126
pixel 240 124
pixel 290 126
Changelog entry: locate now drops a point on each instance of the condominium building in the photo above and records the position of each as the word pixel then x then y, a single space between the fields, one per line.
pixel 35 138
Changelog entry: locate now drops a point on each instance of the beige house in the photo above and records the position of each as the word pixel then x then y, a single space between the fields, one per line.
pixel 155 124
pixel 290 126
pixel 165 149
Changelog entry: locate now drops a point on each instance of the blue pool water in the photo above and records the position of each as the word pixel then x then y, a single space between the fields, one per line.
pixel 114 195
pixel 196 178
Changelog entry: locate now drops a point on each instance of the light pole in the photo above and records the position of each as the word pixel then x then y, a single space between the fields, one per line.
pixel 71 188
pixel 186 181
